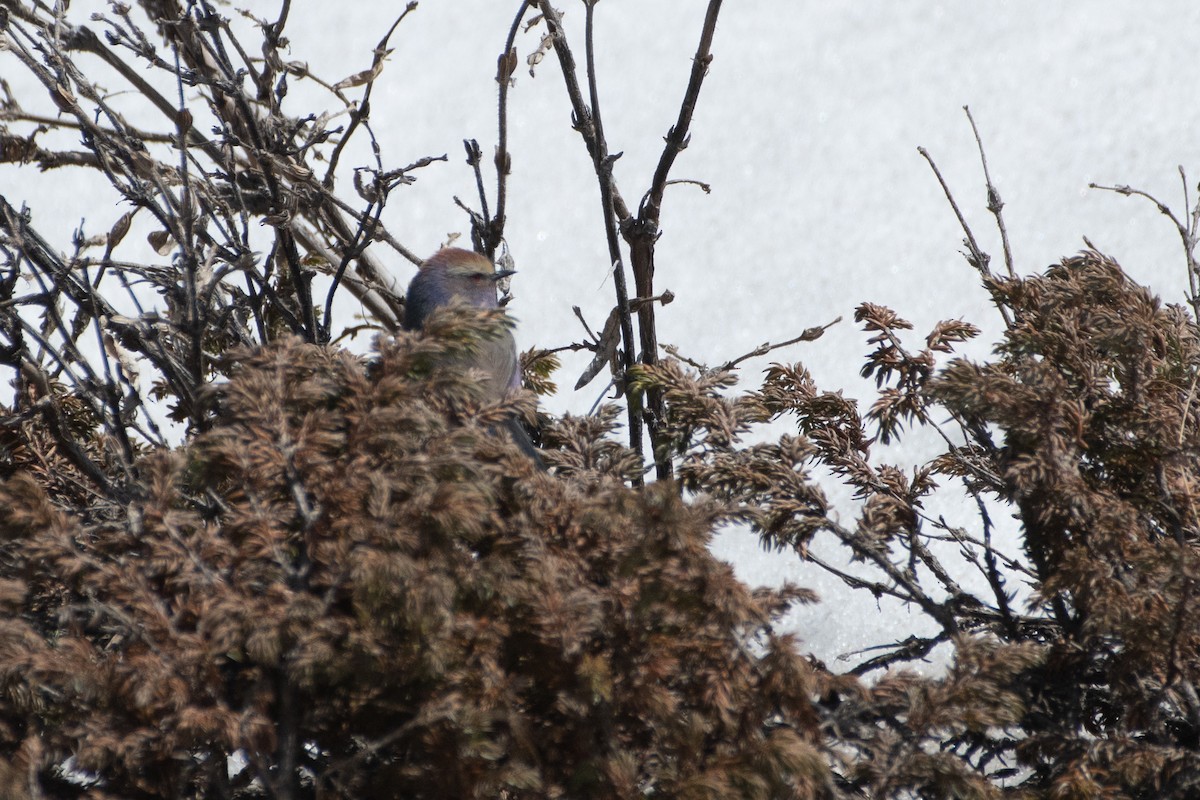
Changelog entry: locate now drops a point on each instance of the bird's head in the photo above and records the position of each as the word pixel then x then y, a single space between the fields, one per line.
pixel 448 274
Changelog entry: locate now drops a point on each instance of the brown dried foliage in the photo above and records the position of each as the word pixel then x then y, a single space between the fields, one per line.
pixel 1083 428
pixel 1094 391
pixel 354 585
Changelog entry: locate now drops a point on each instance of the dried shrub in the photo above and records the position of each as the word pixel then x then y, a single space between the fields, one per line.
pixel 350 585
pixel 1084 428
pixel 1093 389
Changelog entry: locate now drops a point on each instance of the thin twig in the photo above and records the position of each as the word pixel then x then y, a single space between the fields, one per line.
pixel 995 204
pixel 359 115
pixel 506 68
pixel 613 206
pixel 809 335
pixel 481 222
pixel 977 258
pixel 678 136
pixel 900 578
pixel 911 649
pixel 1187 232
pixel 642 234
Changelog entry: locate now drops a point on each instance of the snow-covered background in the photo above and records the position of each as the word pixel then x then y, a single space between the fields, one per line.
pixel 807 131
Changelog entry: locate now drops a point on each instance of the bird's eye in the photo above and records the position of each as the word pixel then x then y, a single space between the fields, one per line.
pixel 478 277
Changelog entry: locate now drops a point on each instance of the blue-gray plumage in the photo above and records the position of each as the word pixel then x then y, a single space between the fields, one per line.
pixel 455 273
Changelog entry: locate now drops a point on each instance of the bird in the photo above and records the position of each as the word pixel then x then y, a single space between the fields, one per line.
pixel 453 273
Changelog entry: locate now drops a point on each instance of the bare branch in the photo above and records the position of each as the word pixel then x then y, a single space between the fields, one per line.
pixel 995 204
pixel 977 258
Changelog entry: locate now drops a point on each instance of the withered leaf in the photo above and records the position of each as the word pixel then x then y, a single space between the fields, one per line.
pixel 606 349
pixel 162 242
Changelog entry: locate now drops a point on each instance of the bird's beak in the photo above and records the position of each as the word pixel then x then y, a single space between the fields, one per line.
pixel 501 274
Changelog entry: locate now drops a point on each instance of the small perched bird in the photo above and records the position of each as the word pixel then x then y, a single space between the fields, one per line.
pixel 456 273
